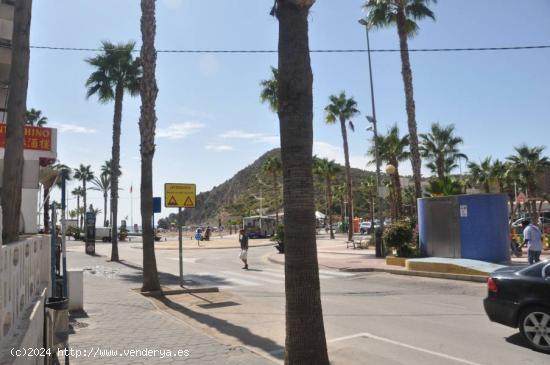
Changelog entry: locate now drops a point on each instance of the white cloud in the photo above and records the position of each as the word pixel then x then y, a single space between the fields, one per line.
pixel 72 128
pixel 256 137
pixel 179 130
pixel 219 147
pixel 332 152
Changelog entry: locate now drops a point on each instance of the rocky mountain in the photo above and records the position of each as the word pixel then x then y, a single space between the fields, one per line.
pixel 251 190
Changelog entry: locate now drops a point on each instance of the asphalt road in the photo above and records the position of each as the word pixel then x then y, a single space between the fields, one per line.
pixel 370 318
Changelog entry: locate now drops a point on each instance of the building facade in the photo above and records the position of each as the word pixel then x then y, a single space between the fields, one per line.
pixel 6 31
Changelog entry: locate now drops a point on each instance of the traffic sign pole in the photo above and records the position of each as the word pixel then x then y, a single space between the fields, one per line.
pixel 180 237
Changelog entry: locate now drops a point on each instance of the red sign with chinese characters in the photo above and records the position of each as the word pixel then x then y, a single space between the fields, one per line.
pixel 36 138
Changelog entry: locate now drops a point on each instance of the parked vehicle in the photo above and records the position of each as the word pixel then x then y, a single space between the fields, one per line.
pixel 365 227
pixel 520 298
pixel 544 223
pixel 103 233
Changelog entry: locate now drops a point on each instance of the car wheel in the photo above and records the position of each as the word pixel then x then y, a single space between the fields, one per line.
pixel 534 325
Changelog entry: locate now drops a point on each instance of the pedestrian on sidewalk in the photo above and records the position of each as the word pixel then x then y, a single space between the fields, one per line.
pixel 533 238
pixel 243 240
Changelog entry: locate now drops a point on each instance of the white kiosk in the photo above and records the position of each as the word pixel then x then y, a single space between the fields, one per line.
pixel 40 152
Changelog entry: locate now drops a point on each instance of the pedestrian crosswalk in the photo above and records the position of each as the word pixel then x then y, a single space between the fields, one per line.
pixel 261 276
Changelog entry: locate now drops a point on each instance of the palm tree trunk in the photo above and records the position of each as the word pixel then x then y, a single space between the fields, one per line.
pixel 105 209
pixel 84 198
pixel 409 99
pixel 441 168
pixel 348 179
pixel 329 206
pixel 115 169
pixel 17 107
pixel 147 124
pixel 78 212
pixel 305 334
pixel 46 210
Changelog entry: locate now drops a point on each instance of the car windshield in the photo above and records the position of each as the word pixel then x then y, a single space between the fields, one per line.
pixel 534 270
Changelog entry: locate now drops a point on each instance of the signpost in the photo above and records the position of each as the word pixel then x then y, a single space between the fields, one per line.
pixel 180 196
pixel 90 232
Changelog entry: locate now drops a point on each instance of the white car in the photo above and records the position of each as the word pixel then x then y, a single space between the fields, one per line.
pixel 365 227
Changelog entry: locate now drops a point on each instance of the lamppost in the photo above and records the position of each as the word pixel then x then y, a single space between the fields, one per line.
pixel 373 121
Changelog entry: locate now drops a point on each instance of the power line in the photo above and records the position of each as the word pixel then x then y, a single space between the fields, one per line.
pixel 245 51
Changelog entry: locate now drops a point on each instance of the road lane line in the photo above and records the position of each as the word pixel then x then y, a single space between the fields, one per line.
pixel 336 273
pixel 248 277
pixel 411 347
pixel 279 272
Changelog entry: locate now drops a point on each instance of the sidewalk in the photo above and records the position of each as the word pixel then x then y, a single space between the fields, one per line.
pixel 333 254
pixel 117 319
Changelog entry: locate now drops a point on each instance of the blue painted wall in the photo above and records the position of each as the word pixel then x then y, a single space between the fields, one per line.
pixel 484 231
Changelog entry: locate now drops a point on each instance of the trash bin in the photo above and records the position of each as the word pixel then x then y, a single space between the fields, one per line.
pixel 57 323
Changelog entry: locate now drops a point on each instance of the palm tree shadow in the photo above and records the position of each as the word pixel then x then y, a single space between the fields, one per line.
pixel 243 334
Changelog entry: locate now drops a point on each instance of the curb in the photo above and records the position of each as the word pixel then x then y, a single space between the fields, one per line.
pixel 426 274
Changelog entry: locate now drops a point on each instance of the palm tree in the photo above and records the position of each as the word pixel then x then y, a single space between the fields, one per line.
pixel 343 110
pixel 107 167
pixel 269 90
pixel 393 149
pixel 147 125
pixel 78 192
pixel 369 188
pixel 64 172
pixel 35 118
pixel 273 166
pixel 482 173
pixel 305 334
pixel 340 194
pixel 440 148
pixel 328 170
pixel 445 186
pixel 403 14
pixel 529 163
pixel 84 174
pixel 12 179
pixel 116 72
pixel 103 184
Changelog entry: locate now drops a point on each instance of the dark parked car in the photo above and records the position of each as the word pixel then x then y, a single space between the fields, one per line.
pixel 520 297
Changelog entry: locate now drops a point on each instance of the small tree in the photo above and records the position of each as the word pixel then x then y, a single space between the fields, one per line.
pixel 399 235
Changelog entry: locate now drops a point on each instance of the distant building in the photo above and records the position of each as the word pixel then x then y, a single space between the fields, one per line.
pixel 6 31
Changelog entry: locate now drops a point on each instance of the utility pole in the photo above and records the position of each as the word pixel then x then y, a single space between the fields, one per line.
pixel 373 121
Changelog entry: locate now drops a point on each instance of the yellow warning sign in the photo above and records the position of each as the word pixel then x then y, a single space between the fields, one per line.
pixel 180 195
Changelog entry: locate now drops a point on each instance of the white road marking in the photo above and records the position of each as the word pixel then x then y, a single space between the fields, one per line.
pixel 336 273
pixel 251 276
pixel 323 274
pixel 397 343
pixel 229 279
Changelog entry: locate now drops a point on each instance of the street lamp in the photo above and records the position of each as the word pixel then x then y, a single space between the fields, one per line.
pixel 373 121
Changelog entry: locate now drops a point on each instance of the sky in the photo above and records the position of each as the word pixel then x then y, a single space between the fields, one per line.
pixel 211 123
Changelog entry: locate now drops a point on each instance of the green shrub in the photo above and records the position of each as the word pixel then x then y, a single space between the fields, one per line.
pixel 279 234
pixel 399 235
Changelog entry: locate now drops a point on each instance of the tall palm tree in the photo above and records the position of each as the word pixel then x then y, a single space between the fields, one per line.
pixel 107 167
pixel 328 170
pixel 64 172
pixel 343 110
pixel 103 184
pixel 305 334
pixel 482 173
pixel 529 163
pixel 34 117
pixel 274 167
pixel 12 179
pixel 393 149
pixel 116 72
pixel 440 148
pixel 84 174
pixel 269 90
pixel 78 192
pixel 147 125
pixel 403 14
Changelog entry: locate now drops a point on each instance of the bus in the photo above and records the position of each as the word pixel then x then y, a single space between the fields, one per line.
pixel 259 226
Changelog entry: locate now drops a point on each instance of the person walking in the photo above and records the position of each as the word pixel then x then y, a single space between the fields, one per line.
pixel 533 238
pixel 243 240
